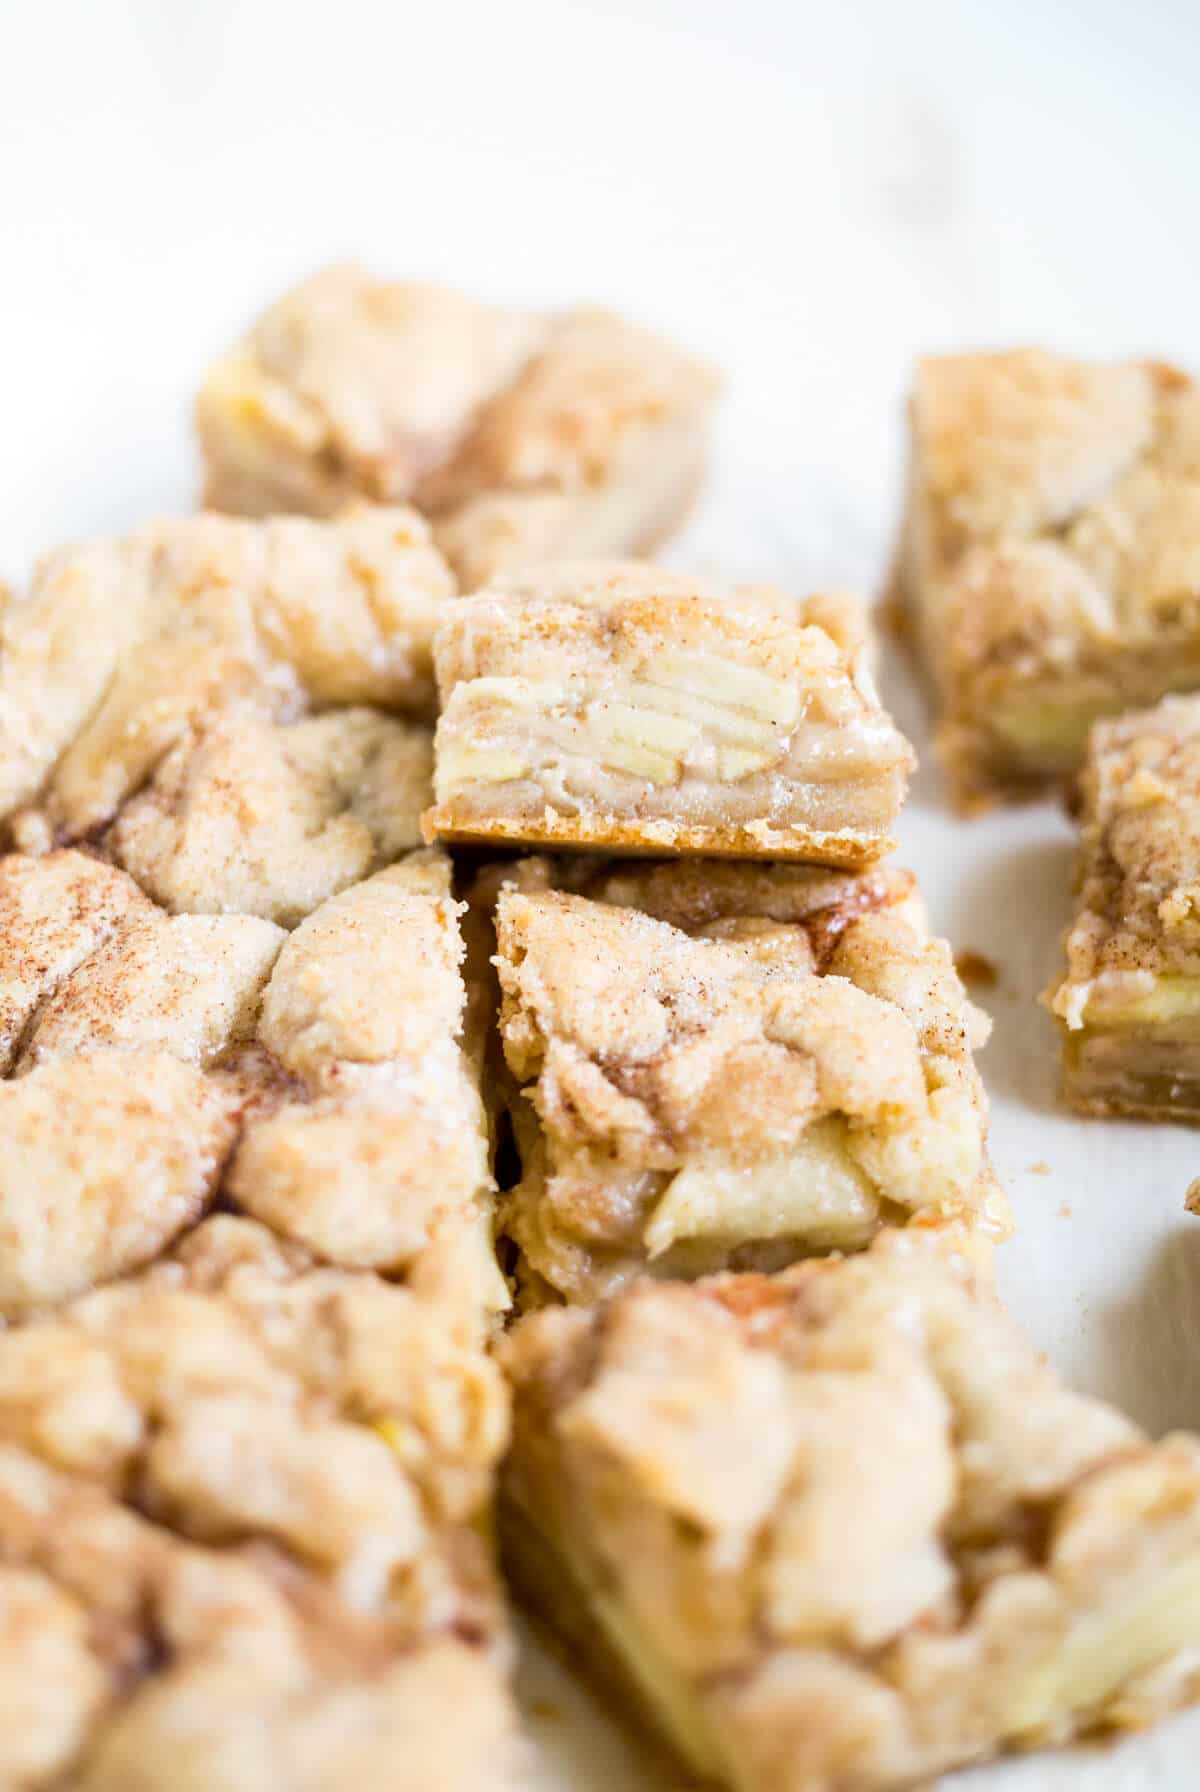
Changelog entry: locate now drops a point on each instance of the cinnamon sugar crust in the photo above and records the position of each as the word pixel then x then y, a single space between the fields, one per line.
pixel 321 1081
pixel 124 653
pixel 1051 554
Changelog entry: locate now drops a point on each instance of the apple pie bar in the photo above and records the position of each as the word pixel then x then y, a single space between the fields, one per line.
pixel 1129 1001
pixel 244 1531
pixel 1051 555
pixel 124 654
pixel 522 436
pixel 320 1081
pixel 717 1065
pixel 840 1529
pixel 613 705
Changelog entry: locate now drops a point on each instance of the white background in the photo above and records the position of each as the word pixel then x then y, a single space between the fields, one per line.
pixel 811 194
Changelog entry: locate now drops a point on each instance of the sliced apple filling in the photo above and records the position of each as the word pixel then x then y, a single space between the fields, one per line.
pixel 778 1072
pixel 789 1518
pixel 623 706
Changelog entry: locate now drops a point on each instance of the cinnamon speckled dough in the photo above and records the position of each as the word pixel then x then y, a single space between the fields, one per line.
pixel 840 1530
pixel 614 705
pixel 156 1060
pixel 122 647
pixel 522 436
pixel 105 1157
pixel 727 1064
pixel 1051 554
pixel 112 1138
pixel 1130 997
pixel 385 1156
pixel 270 818
pixel 242 1507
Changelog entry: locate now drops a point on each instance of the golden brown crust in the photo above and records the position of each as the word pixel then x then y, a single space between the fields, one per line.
pixel 321 1081
pixel 1051 554
pixel 842 1527
pixel 590 832
pixel 728 1063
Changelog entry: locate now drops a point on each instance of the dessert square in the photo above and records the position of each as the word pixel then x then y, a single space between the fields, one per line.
pixel 122 651
pixel 1129 1001
pixel 619 707
pixel 1051 554
pixel 716 1065
pixel 244 1533
pixel 841 1528
pixel 323 1082
pixel 523 436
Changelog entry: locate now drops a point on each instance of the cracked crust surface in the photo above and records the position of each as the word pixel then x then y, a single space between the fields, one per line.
pixel 721 1065
pixel 522 435
pixel 272 818
pixel 242 1515
pixel 1130 996
pixel 1052 553
pixel 840 1530
pixel 321 1080
pixel 613 705
pixel 123 649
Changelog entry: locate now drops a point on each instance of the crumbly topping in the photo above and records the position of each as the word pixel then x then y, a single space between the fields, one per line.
pixel 122 647
pixel 271 818
pixel 241 1500
pixel 855 1481
pixel 384 1158
pixel 562 424
pixel 156 1059
pixel 680 1022
pixel 1138 907
pixel 1053 540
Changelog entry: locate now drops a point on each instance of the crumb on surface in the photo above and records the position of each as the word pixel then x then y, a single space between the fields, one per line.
pixel 976 968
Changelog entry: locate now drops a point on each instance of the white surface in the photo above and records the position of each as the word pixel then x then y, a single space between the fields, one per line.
pixel 811 194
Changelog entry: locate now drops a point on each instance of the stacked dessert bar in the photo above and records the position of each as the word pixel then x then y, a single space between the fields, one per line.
pixel 413 912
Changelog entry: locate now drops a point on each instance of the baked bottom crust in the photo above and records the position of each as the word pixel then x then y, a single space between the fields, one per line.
pixel 651 838
pixel 999 1565
pixel 713 1064
pixel 243 1519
